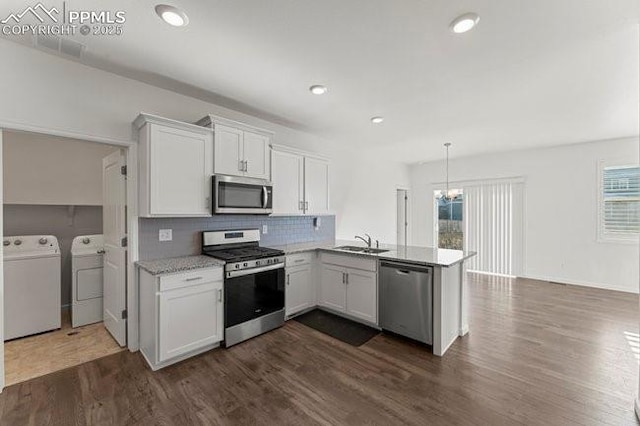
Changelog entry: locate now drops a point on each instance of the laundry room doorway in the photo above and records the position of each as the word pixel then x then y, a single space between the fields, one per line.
pixel 60 230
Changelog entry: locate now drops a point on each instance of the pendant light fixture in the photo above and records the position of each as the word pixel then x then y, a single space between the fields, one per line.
pixel 450 194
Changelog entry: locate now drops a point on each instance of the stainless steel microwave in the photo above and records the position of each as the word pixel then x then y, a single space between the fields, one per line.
pixel 241 195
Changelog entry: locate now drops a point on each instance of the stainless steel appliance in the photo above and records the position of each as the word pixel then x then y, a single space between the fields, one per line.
pixel 406 300
pixel 254 282
pixel 241 195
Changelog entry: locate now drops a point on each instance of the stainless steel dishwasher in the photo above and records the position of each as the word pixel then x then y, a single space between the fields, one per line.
pixel 406 300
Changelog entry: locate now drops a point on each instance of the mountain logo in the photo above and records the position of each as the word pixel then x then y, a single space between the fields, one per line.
pixel 39 11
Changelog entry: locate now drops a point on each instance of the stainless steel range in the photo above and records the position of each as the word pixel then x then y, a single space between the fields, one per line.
pixel 253 284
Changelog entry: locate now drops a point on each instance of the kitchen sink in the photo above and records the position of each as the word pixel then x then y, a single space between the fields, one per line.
pixel 357 249
pixel 374 250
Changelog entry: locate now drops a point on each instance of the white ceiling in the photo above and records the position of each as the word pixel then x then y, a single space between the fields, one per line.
pixel 532 73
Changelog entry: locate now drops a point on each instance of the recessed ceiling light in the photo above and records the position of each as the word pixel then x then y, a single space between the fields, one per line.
pixel 464 23
pixel 318 89
pixel 377 120
pixel 172 15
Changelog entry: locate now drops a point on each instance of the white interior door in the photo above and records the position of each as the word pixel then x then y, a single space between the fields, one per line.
pixel 114 195
pixel 403 220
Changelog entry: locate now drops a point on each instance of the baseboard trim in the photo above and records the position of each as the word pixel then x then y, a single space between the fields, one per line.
pixel 578 283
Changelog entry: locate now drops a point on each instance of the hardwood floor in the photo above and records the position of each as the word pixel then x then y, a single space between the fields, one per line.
pixel 537 353
pixel 36 356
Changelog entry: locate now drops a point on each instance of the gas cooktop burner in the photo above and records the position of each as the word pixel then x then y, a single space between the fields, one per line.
pixel 240 250
pixel 243 253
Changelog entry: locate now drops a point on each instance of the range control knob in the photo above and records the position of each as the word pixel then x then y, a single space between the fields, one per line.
pixel 237 266
pixel 43 241
pixel 6 242
pixel 257 263
pixel 268 261
pixel 245 264
pixel 17 242
pixel 86 240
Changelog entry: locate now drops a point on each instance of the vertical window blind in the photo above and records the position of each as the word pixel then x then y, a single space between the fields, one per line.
pixel 494 224
pixel 620 206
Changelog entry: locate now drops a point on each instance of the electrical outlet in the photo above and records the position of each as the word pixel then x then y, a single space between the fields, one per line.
pixel 265 229
pixel 165 235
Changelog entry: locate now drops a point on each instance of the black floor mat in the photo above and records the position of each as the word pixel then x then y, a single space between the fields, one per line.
pixel 350 332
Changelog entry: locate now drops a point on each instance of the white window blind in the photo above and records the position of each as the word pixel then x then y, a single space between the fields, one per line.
pixel 620 202
pixel 493 215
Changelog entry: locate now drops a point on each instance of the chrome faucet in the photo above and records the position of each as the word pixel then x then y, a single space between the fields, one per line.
pixel 366 240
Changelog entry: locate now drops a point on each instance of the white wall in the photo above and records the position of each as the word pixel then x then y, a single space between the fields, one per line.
pixel 367 185
pixel 42 169
pixel 46 91
pixel 561 193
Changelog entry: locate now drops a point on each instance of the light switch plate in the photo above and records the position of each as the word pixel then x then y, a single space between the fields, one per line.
pixel 265 229
pixel 165 235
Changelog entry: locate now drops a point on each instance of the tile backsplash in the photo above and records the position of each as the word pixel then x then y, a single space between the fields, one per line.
pixel 187 238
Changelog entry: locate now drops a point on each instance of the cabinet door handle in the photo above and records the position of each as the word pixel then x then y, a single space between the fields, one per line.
pixel 347 275
pixel 220 295
pixel 246 165
pixel 193 279
pixel 343 279
pixel 241 166
pixel 306 206
pixel 288 279
pixel 298 260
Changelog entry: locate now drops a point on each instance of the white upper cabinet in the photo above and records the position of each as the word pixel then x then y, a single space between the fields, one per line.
pixel 228 151
pixel 300 182
pixel 287 176
pixel 176 164
pixel 240 149
pixel 316 186
pixel 256 155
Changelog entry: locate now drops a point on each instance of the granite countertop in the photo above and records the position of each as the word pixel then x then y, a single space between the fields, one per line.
pixel 409 254
pixel 304 247
pixel 178 264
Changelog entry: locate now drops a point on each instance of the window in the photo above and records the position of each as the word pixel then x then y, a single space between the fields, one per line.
pixel 449 224
pixel 619 202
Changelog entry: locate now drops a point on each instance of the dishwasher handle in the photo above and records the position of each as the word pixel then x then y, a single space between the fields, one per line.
pixel 406 268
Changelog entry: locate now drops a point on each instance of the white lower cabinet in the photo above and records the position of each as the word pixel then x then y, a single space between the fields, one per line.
pixel 362 295
pixel 181 315
pixel 349 285
pixel 333 289
pixel 300 290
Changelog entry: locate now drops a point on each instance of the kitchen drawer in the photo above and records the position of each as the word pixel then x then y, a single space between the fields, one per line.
pixel 184 279
pixel 350 261
pixel 299 259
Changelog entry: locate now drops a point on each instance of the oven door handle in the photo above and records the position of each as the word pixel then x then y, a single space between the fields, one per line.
pixel 265 197
pixel 234 274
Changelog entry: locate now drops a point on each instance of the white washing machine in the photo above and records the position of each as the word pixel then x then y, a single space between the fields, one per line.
pixel 32 275
pixel 86 281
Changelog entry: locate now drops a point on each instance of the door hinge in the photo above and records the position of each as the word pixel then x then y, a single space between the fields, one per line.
pixel 123 170
pixel 124 242
pixel 124 314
